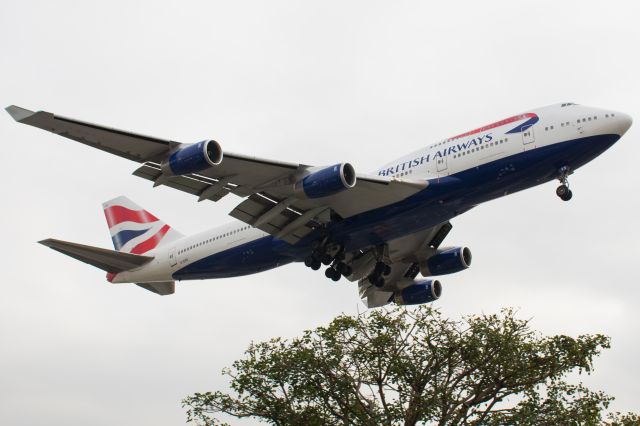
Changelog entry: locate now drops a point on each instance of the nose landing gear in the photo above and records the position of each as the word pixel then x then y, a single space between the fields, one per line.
pixel 563 190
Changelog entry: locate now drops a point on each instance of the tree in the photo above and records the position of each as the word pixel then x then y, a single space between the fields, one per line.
pixel 413 366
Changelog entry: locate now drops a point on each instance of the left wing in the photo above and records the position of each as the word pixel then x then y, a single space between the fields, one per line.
pixel 271 203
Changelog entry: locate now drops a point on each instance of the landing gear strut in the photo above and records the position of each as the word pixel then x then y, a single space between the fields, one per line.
pixel 563 190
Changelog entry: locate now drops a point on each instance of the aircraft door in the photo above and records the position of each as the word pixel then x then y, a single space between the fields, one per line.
pixel 441 163
pixel 527 135
pixel 173 258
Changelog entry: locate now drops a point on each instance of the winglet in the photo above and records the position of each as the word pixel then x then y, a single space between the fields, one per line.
pixel 18 113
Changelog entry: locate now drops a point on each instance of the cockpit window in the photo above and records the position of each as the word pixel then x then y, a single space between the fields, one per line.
pixel 567 104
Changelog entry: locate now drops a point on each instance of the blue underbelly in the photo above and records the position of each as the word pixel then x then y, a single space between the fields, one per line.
pixel 249 258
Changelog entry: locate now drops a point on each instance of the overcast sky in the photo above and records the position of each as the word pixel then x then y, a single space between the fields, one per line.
pixel 312 82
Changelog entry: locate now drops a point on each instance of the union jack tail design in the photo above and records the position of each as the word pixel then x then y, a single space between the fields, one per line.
pixel 135 230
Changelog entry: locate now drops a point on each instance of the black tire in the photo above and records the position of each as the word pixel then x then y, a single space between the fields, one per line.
pixel 567 196
pixel 347 270
pixel 326 259
pixel 308 261
pixel 377 281
pixel 329 273
pixel 562 191
pixel 336 276
pixel 316 264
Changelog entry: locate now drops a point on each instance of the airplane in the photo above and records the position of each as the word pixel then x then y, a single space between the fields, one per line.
pixel 381 229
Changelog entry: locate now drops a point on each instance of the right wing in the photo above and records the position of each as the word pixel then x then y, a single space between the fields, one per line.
pixel 403 255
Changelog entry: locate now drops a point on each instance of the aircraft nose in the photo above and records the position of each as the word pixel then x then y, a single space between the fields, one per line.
pixel 624 121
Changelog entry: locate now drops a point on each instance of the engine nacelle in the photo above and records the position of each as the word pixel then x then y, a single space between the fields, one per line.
pixel 327 181
pixel 193 158
pixel 447 261
pixel 418 293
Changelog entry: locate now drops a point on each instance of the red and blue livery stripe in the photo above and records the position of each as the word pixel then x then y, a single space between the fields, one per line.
pixel 151 242
pixel 126 235
pixel 530 117
pixel 124 224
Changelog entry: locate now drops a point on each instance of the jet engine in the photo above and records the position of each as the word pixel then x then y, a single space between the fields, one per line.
pixel 327 181
pixel 418 293
pixel 193 158
pixel 447 261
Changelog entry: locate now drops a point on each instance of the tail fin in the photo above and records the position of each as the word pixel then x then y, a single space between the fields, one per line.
pixel 135 230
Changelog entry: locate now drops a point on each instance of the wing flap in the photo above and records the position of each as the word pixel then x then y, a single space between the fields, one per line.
pixel 193 184
pixel 277 217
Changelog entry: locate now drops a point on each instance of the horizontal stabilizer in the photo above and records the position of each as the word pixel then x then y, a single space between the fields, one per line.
pixel 107 260
pixel 163 288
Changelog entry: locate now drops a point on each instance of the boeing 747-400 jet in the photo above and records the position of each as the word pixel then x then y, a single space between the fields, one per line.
pixel 381 229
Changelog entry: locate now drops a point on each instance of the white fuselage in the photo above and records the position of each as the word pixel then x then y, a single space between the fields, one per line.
pixel 551 125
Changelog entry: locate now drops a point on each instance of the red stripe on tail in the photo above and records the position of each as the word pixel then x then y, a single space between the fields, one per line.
pixel 119 214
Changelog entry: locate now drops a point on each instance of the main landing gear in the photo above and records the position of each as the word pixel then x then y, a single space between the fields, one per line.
pixel 377 276
pixel 563 190
pixel 337 266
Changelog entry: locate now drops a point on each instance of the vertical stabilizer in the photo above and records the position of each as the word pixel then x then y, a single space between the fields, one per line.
pixel 135 230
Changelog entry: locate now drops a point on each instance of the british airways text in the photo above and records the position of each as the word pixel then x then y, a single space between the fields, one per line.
pixel 452 149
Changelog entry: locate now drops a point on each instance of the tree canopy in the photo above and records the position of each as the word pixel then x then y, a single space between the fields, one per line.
pixel 407 366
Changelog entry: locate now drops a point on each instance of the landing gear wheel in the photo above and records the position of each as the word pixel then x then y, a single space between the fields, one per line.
pixel 382 269
pixel 568 196
pixel 344 269
pixel 316 264
pixel 377 281
pixel 328 272
pixel 332 274
pixel 308 261
pixel 564 193
pixel 326 259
